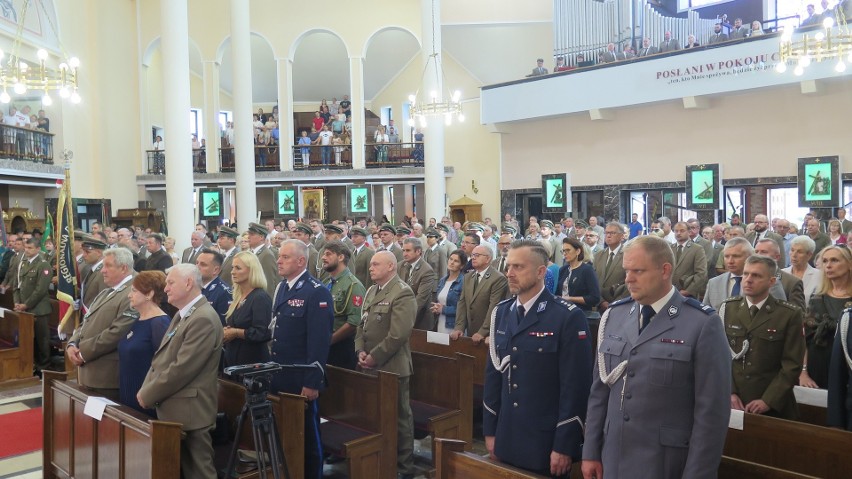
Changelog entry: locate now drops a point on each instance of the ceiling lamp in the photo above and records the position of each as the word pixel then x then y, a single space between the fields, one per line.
pixel 439 103
pixel 832 42
pixel 20 76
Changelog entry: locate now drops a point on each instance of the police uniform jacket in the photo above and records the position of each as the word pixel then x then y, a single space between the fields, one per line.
pixel 302 317
pixel 219 295
pixel 386 322
pixel 476 304
pixel 690 272
pixel 105 324
pixel 611 281
pixel 182 382
pixel 158 261
pixel 348 294
pixel 32 290
pixel 840 378
pixel 537 404
pixel 359 264
pixel 773 361
pixel 421 279
pixel 672 419
pixel 269 262
pixel 228 267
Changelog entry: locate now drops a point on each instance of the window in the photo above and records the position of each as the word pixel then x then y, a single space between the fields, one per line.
pixel 195 120
pixel 224 118
pixel 784 203
pixel 734 203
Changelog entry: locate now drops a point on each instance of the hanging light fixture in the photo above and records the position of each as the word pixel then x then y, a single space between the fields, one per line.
pixel 19 76
pixel 446 104
pixel 832 42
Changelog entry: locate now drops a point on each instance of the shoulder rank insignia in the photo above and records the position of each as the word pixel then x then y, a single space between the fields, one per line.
pixel 621 301
pixel 732 299
pixel 706 308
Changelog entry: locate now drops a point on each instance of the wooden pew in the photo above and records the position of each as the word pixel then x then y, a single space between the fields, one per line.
pixel 289 413
pixel 451 462
pixel 58 344
pixel 441 392
pixel 791 446
pixel 16 345
pixel 731 468
pixel 462 345
pixel 361 414
pixel 123 443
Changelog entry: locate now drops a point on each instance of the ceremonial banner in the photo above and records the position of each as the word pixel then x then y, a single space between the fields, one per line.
pixel 66 264
pixel 48 232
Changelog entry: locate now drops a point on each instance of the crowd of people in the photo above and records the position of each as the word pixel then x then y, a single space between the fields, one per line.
pixel 157 323
pixel 19 143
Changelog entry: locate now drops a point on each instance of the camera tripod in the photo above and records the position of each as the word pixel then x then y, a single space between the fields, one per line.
pixel 264 430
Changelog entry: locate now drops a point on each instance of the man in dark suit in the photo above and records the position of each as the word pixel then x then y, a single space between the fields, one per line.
pixel 669 44
pixel 30 296
pixel 664 417
pixel 302 319
pixel 535 401
pixel 181 383
pixel 739 31
pixel 93 347
pixel 190 254
pixel 539 69
pixel 11 280
pixel 361 256
pixel 218 293
pixel 227 242
pixel 482 289
pixel 608 267
pixel 689 274
pixel 257 242
pixel 610 55
pixel 420 277
pixel 845 225
pixel 718 36
pixel 158 259
pixel 647 49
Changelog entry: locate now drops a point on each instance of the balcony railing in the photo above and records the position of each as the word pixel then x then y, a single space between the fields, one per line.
pixel 265 158
pixel 27 144
pixel 391 155
pixel 157 161
pixel 336 157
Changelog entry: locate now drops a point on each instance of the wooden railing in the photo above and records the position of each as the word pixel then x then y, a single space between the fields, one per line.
pixel 157 161
pixel 26 144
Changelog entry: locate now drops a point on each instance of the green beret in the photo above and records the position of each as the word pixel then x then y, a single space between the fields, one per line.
pixel 93 242
pixel 333 228
pixel 357 230
pixel 258 229
pixel 304 228
pixel 387 227
pixel 229 232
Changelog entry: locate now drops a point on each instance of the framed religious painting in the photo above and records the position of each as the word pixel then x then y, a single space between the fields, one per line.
pixel 703 187
pixel 313 203
pixel 555 193
pixel 211 204
pixel 819 182
pixel 358 200
pixel 286 200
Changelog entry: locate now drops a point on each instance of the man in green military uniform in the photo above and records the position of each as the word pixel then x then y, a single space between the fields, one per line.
pixel 767 346
pixel 257 242
pixel 303 233
pixel 30 296
pixel 382 343
pixel 348 294
pixel 333 232
pixel 361 256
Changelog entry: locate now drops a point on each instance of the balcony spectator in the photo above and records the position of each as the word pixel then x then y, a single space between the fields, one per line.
pixel 718 36
pixel 581 60
pixel 324 140
pixel 560 65
pixel 393 136
pixel 229 134
pixel 647 48
pixel 270 130
pixel 417 153
pixel 159 144
pixel 739 31
pixel 338 124
pixel 626 53
pixel 43 124
pixel 756 29
pixel 323 103
pixel 317 121
pixel 314 134
pixel 381 138
pixel 325 114
pixel 610 55
pixel 690 42
pixel 346 107
pixel 334 107
pixel 306 149
pixel 261 115
pixel 9 133
pixel 725 25
pixel 337 143
pixel 827 12
pixel 813 18
pixel 669 44
pixel 196 145
pixel 539 69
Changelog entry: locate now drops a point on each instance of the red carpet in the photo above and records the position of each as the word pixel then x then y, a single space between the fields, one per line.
pixel 23 432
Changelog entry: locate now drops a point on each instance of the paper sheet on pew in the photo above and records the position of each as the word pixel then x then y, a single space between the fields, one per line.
pixel 736 421
pixel 95 407
pixel 437 338
pixel 811 396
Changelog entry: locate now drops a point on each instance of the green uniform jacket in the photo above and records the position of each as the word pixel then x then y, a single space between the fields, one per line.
pixel 269 262
pixel 771 366
pixel 387 321
pixel 11 279
pixel 348 294
pixel 360 265
pixel 32 291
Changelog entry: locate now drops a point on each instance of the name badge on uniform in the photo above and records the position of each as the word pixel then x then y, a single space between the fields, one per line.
pixel 296 303
pixel 541 334
pixel 672 341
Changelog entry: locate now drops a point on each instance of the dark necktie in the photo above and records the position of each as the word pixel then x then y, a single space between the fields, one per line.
pixel 475 281
pixel 735 291
pixel 753 311
pixel 330 284
pixel 521 312
pixel 679 252
pixel 647 313
pixel 503 264
pixel 609 262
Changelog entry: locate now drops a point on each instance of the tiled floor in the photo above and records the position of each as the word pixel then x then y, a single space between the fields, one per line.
pixel 25 466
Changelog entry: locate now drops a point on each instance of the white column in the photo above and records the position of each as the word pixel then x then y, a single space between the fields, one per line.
pixel 179 187
pixel 285 112
pixel 211 115
pixel 243 134
pixel 433 135
pixel 356 86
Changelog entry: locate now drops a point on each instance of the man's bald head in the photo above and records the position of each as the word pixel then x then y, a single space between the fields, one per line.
pixel 382 267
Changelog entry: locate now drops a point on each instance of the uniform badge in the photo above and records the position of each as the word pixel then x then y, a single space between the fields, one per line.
pixel 581 335
pixel 47 272
pixel 296 303
pixel 672 310
pixel 541 334
pixel 130 335
pixel 323 304
pixel 357 301
pixel 299 284
pixel 671 341
pixel 633 309
pixel 541 307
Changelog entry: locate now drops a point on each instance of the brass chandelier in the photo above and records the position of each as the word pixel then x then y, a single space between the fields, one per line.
pixel 833 42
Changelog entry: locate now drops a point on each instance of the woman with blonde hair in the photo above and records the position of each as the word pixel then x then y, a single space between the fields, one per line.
pixel 169 244
pixel 824 311
pixel 247 319
pixel 835 233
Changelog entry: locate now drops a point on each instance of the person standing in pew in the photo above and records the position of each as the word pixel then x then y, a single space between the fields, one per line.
pixel 660 399
pixel 840 377
pixel 30 296
pixel 302 319
pixel 382 343
pixel 767 344
pixel 483 289
pixel 182 381
pixel 537 382
pixel 348 294
pixel 214 288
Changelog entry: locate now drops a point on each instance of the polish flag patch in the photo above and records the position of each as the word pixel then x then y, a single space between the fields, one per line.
pixel 581 334
pixel 323 304
pixel 357 301
pixel 47 272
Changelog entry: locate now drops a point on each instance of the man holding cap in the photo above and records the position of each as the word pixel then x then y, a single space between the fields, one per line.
pixel 268 260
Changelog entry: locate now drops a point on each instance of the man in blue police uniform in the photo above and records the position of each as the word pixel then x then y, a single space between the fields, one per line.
pixel 660 399
pixel 302 317
pixel 537 380
pixel 218 293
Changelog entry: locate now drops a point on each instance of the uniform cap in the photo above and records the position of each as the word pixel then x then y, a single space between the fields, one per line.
pixel 304 228
pixel 402 230
pixel 387 227
pixel 229 232
pixel 443 227
pixel 258 229
pixel 93 242
pixel 546 224
pixel 432 233
pixel 509 230
pixel 333 228
pixel 357 230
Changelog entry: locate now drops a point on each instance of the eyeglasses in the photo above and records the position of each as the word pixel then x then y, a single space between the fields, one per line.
pixel 566 251
pixel 613 232
pixel 476 255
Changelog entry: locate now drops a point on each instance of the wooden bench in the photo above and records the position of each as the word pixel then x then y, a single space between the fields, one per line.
pixel 16 345
pixel 441 391
pixel 791 446
pixel 452 462
pixel 124 443
pixel 361 421
pixel 289 413
pixel 731 468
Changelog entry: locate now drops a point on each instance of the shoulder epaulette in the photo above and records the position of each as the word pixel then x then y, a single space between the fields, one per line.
pixel 789 305
pixel 316 283
pixel 561 301
pixel 506 300
pixel 732 299
pixel 706 308
pixel 621 301
pixel 848 310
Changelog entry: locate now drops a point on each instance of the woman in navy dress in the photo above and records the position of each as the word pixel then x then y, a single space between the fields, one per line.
pixel 136 350
pixel 578 282
pixel 247 319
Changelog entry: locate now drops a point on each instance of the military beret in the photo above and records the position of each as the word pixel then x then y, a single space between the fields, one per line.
pixel 258 229
pixel 357 230
pixel 402 230
pixel 229 232
pixel 443 227
pixel 93 242
pixel 387 227
pixel 304 228
pixel 432 233
pixel 509 230
pixel 333 228
pixel 546 224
